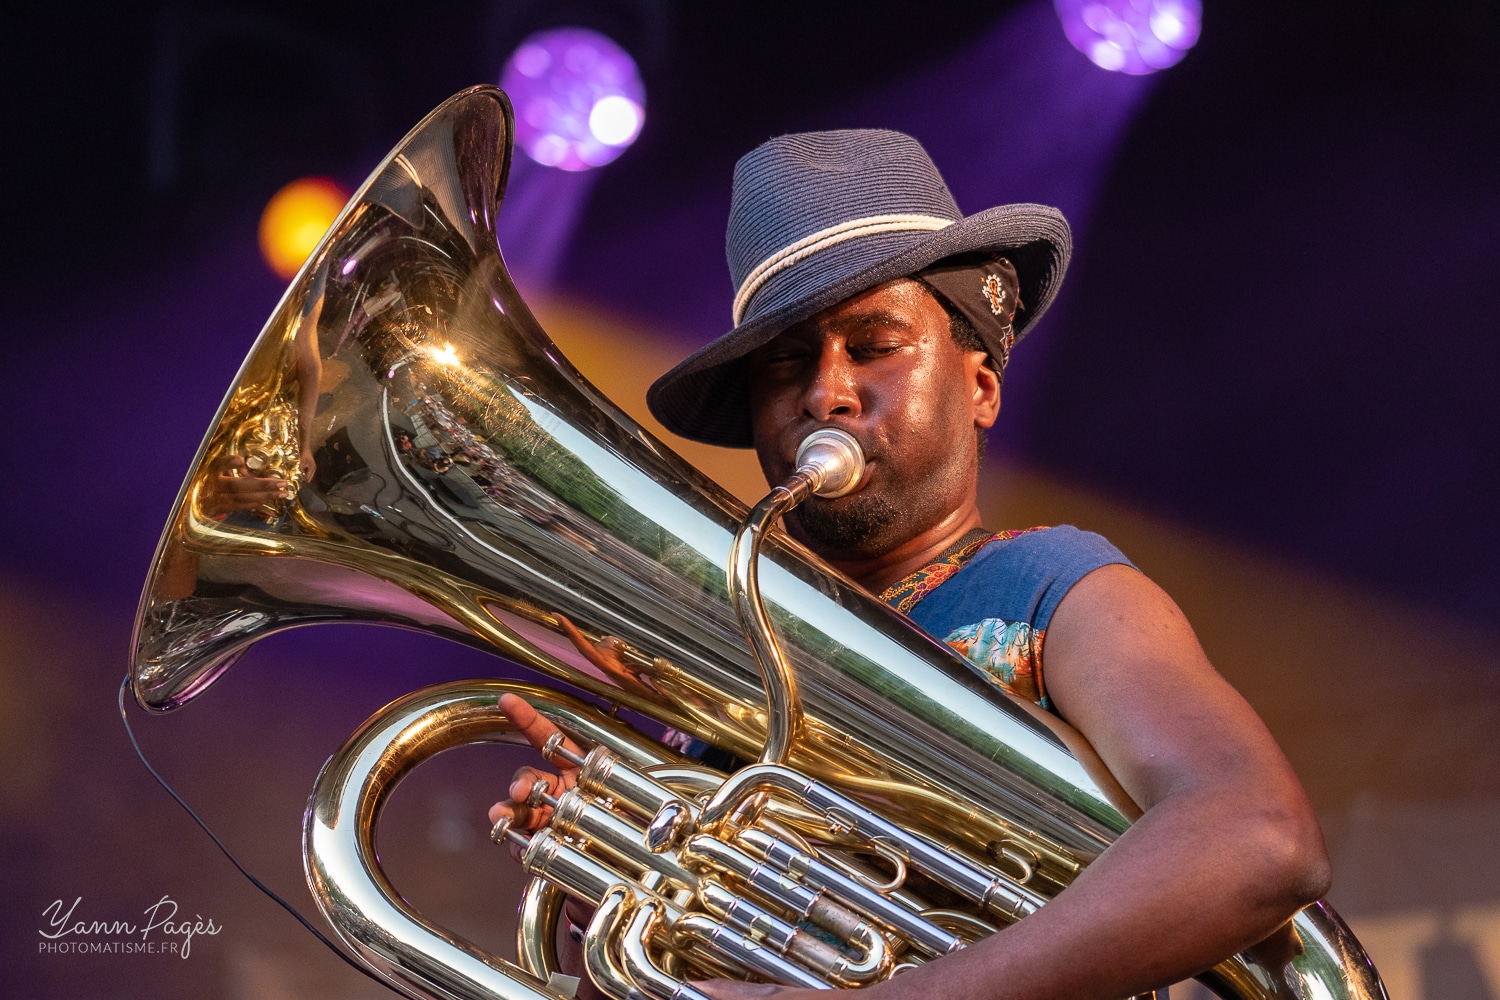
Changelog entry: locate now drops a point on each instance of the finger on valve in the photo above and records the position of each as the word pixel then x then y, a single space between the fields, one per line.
pixel 536 727
pixel 505 816
pixel 524 810
pixel 528 787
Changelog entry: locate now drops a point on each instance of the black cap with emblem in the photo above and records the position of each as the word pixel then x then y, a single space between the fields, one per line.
pixel 985 289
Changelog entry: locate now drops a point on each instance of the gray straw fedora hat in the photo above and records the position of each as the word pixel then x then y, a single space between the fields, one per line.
pixel 818 217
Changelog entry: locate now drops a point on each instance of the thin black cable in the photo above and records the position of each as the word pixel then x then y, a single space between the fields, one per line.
pixel 125 718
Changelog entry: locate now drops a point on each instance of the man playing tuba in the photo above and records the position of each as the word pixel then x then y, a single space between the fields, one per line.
pixel 867 302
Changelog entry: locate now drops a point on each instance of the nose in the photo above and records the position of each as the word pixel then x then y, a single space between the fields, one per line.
pixel 834 389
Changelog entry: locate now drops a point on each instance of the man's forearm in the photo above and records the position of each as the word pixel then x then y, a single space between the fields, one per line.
pixel 1149 911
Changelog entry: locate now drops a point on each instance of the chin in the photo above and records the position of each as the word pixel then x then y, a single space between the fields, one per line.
pixel 861 525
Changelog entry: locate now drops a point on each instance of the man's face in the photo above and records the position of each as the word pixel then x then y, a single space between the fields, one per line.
pixel 884 367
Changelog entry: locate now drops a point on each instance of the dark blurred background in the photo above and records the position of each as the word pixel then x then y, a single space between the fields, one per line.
pixel 1273 369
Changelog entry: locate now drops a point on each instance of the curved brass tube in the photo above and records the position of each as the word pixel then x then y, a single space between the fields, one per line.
pixel 599 945
pixel 339 854
pixel 536 928
pixel 785 717
pixel 830 463
pixel 637 960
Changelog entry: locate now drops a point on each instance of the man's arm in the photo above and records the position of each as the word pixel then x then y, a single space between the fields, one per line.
pixel 1228 847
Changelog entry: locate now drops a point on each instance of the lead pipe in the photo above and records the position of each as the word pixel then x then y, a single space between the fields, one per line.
pixel 830 463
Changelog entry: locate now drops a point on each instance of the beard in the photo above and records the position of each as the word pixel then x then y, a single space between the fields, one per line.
pixel 854 526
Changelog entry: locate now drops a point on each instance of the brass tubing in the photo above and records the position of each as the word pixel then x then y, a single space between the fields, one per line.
pixel 598 945
pixel 761 924
pixel 991 889
pixel 637 960
pixel 743 952
pixel 784 722
pixel 830 463
pixel 339 856
pixel 607 775
pixel 706 964
pixel 536 928
pixel 821 911
pixel 701 782
pixel 959 920
pixel 801 948
pixel 714 855
pixel 547 856
pixel 809 870
pixel 874 955
pixel 613 836
pixel 745 783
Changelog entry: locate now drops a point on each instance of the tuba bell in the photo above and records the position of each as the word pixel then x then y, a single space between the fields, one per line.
pixel 438 465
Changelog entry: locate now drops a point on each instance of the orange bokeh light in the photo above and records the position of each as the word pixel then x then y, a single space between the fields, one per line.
pixel 295 220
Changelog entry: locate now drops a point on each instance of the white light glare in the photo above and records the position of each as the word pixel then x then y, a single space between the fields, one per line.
pixel 1107 55
pixel 578 97
pixel 1166 25
pixel 615 120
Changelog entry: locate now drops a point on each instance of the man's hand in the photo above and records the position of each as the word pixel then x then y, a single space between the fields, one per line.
pixel 537 729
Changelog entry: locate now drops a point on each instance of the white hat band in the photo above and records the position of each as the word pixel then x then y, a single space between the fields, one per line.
pixel 824 238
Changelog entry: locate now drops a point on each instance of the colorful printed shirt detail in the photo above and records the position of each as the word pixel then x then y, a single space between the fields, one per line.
pixel 992 599
pixel 904 596
pixel 1008 653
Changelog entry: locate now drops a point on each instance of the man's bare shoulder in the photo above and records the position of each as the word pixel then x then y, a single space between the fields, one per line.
pixel 1124 666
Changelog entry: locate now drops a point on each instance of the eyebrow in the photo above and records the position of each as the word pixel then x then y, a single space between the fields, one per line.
pixel 878 317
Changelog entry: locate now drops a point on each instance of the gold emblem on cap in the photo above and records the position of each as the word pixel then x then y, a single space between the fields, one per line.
pixel 994 291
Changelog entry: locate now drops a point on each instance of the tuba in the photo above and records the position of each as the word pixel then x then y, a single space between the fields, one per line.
pixel 448 470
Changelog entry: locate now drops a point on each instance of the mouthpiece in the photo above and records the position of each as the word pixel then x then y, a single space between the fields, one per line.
pixel 832 461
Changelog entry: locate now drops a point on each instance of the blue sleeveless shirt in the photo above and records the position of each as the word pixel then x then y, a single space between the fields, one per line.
pixel 992 598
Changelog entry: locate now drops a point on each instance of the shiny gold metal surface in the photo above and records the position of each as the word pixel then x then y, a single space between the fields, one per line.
pixel 404 445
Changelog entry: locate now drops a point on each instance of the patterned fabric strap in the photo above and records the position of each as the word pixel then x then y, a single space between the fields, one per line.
pixel 908 593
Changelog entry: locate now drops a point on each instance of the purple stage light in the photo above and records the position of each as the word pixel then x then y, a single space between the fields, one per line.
pixel 579 100
pixel 1131 36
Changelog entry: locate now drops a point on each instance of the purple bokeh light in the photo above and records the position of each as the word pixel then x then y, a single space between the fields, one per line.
pixel 1131 36
pixel 579 100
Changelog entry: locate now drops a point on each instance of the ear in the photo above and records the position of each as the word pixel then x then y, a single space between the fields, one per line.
pixel 985 382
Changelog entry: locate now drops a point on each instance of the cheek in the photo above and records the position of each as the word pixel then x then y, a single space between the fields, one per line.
pixel 764 416
pixel 927 407
pixel 768 421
